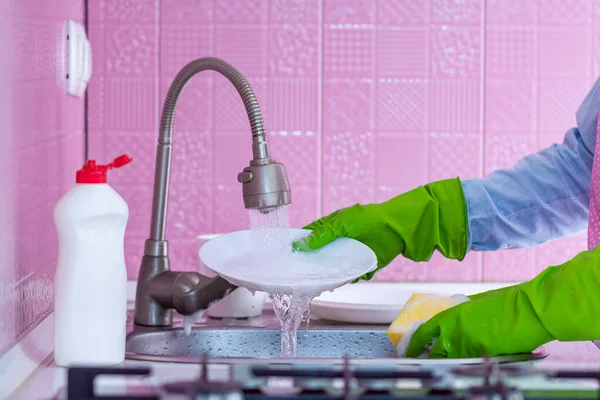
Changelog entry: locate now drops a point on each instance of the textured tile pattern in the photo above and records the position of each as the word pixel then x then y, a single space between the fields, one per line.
pixel 42 147
pixel 362 100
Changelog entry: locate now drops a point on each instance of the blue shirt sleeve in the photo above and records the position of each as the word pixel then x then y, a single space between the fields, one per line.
pixel 545 196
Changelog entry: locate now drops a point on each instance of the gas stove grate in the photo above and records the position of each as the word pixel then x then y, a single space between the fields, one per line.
pixel 356 384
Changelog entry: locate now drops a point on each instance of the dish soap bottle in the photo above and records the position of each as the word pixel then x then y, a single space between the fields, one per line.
pixel 90 283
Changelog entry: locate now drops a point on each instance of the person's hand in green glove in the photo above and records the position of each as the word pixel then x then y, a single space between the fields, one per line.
pixel 561 303
pixel 414 224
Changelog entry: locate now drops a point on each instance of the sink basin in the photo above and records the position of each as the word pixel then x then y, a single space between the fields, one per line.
pixel 261 343
pixel 256 345
pixel 258 341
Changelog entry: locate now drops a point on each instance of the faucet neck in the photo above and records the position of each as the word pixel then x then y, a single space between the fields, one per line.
pixel 156 244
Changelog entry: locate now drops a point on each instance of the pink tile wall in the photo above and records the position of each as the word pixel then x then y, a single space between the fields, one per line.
pixel 42 146
pixel 362 100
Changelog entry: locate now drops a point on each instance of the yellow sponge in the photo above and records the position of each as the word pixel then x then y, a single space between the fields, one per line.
pixel 418 309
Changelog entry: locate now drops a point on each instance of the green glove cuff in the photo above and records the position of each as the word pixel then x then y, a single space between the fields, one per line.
pixel 441 224
pixel 566 299
pixel 453 223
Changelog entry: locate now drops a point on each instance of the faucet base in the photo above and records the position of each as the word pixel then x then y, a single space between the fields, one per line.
pixel 160 290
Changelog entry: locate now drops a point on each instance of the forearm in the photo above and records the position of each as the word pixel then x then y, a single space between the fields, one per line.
pixel 544 197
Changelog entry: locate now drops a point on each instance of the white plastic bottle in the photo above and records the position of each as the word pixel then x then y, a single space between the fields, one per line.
pixel 90 283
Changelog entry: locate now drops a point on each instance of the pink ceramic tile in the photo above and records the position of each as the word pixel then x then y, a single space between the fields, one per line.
pixel 403 13
pixel 183 254
pixel 131 49
pixel 52 173
pixel 96 11
pixel 349 11
pixel 559 100
pixel 134 251
pixel 24 64
pixel 297 150
pixel 96 103
pixel 505 150
pixel 511 107
pixel 183 43
pixel 190 209
pixel 293 105
pixel 229 212
pixel 511 52
pixel 523 12
pixel 139 11
pixel 402 105
pixel 303 209
pixel 348 159
pixel 454 106
pixel 72 158
pixel 385 193
pixel 456 11
pixel 141 146
pixel 454 155
pixel 131 103
pixel 195 105
pixel 401 161
pixel 570 12
pixel 456 51
pixel 348 105
pixel 234 11
pixel 349 51
pixel 139 199
pixel 559 251
pixel 29 183
pixel 289 11
pixel 24 125
pixel 403 52
pixel 441 269
pixel 338 197
pixel 193 156
pixel 294 50
pixel 47 37
pixel 402 270
pixel 232 153
pixel 47 108
pixel 229 112
pixel 559 47
pixel 187 11
pixel 243 46
pixel 509 265
pixel 97 145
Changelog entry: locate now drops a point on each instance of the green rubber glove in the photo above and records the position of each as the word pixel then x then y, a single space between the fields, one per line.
pixel 561 303
pixel 414 224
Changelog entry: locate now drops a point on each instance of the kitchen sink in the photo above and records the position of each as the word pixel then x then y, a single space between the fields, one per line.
pixel 257 340
pixel 261 343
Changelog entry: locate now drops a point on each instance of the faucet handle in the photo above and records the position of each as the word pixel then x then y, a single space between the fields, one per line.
pixel 244 177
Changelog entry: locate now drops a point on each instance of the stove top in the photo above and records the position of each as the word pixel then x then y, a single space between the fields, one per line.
pixel 347 381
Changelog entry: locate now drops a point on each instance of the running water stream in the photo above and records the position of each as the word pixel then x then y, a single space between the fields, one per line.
pixel 291 309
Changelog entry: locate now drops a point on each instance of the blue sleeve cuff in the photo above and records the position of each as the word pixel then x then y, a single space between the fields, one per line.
pixel 544 197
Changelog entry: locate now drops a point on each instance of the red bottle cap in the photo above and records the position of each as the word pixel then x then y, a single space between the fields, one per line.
pixel 92 173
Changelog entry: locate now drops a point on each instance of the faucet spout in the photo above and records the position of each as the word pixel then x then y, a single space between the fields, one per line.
pixel 265 187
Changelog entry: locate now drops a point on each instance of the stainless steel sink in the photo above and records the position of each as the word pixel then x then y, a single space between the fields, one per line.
pixel 258 341
pixel 261 343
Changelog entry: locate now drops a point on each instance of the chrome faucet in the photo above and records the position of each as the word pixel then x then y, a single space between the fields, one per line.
pixel 264 187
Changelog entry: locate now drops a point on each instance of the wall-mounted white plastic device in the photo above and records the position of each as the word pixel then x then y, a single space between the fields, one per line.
pixel 79 59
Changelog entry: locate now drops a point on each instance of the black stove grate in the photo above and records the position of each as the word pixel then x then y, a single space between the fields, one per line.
pixel 356 383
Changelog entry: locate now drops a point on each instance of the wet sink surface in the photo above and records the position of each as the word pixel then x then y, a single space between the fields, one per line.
pixel 259 339
pixel 262 343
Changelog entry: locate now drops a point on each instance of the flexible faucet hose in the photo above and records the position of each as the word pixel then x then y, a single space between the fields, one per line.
pixel 228 71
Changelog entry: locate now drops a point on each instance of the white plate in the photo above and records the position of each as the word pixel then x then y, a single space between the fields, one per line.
pixel 380 303
pixel 238 258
